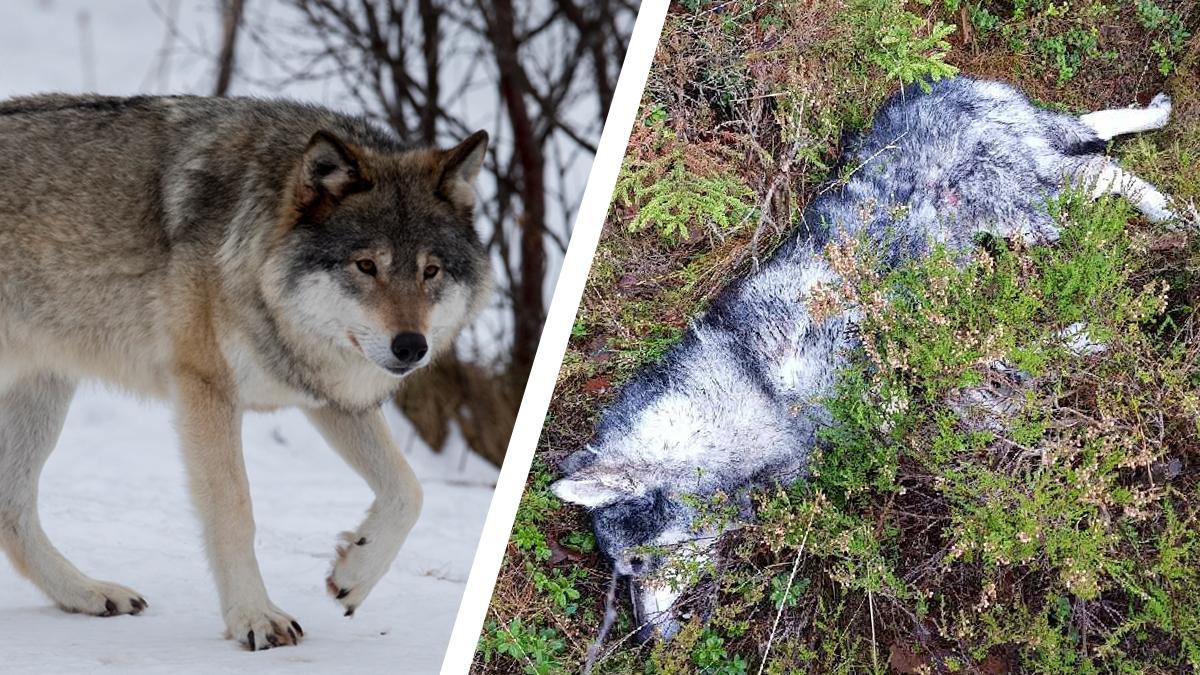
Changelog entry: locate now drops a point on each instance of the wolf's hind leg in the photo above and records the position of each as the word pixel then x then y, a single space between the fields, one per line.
pixel 1110 123
pixel 365 442
pixel 1105 177
pixel 32 410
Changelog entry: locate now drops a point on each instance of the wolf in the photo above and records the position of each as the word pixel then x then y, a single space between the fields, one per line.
pixel 737 403
pixel 225 255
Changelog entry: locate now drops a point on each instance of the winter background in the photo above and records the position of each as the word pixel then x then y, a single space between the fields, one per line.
pixel 112 494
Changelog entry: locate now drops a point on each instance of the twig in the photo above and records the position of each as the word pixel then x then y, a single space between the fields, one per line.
pixel 894 145
pixel 610 617
pixel 232 21
pixel 874 646
pixel 786 593
pixel 87 49
pixel 765 217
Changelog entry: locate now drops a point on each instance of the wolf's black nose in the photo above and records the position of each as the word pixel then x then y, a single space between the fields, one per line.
pixel 410 347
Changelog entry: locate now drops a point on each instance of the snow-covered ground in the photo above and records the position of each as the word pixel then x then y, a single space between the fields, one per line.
pixel 114 501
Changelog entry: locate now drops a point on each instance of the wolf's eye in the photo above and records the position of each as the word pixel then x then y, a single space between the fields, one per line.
pixel 366 267
pixel 432 271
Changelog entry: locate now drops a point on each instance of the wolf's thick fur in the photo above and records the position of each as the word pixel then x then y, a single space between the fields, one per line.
pixel 737 402
pixel 226 255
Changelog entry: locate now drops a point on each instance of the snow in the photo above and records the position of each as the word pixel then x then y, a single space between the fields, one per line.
pixel 113 499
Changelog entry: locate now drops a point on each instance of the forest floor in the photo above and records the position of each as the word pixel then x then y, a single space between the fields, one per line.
pixel 1086 560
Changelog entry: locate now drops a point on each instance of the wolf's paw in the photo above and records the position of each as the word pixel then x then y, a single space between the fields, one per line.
pixel 259 628
pixel 1156 206
pixel 360 564
pixel 100 598
pixel 1161 105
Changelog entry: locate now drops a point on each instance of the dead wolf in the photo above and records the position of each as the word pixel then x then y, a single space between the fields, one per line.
pixel 737 402
pixel 225 255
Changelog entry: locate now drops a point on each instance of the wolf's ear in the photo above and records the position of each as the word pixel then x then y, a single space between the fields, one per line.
pixel 458 169
pixel 580 459
pixel 594 486
pixel 329 172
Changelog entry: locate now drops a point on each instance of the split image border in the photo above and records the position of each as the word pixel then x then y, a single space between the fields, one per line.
pixel 556 331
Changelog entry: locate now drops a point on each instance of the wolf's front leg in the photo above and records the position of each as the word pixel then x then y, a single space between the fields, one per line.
pixel 210 431
pixel 365 442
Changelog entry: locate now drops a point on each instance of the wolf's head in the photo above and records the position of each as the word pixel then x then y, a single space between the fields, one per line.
pixel 377 250
pixel 639 526
pixel 702 421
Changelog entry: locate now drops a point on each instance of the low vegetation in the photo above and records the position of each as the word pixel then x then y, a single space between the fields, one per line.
pixel 1002 490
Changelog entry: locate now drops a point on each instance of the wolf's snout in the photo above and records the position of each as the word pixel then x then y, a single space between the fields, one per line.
pixel 410 347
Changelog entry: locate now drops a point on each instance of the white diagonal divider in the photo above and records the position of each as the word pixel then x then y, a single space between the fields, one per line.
pixel 569 290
